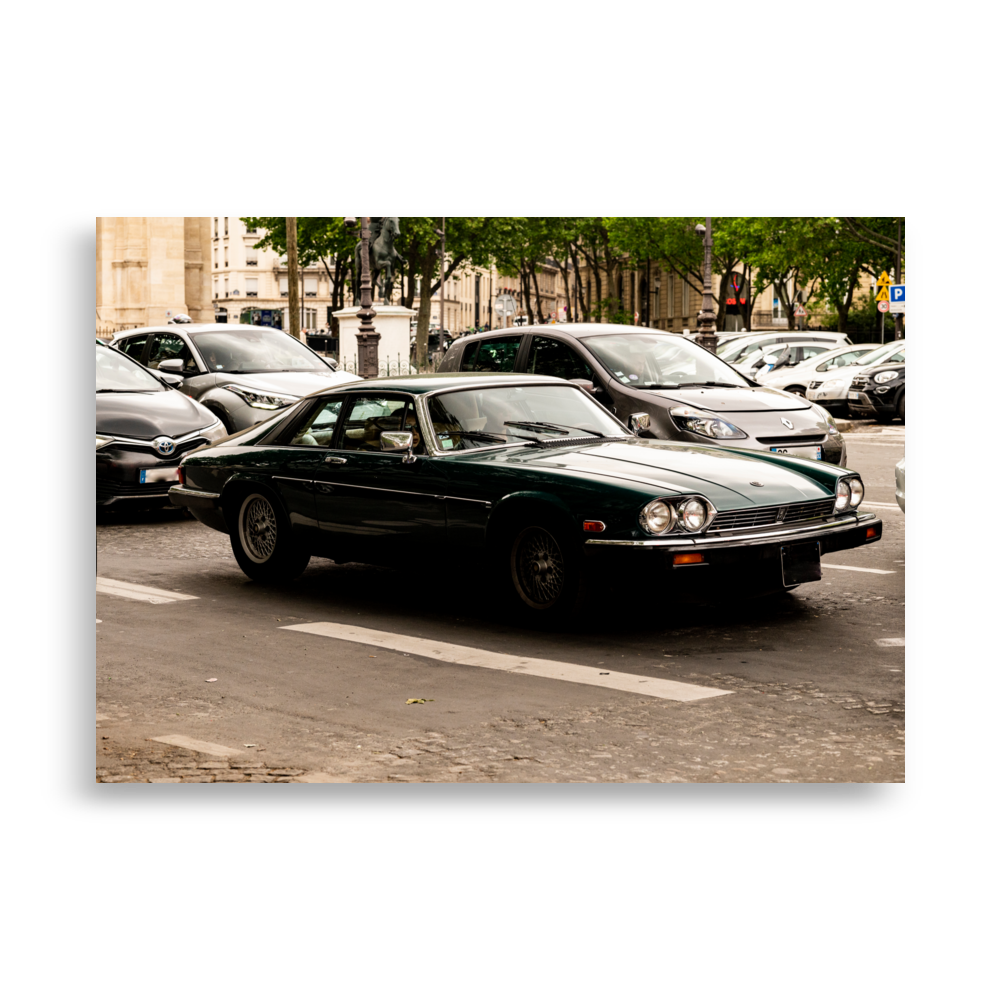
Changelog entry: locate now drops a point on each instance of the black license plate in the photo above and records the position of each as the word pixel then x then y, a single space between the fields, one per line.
pixel 800 563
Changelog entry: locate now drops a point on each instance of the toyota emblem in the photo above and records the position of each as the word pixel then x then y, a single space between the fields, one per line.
pixel 788 423
pixel 164 446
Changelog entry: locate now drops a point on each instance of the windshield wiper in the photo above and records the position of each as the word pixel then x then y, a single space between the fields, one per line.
pixel 485 436
pixel 128 390
pixel 723 385
pixel 530 425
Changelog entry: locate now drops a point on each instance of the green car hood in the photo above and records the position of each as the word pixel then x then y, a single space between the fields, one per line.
pixel 722 475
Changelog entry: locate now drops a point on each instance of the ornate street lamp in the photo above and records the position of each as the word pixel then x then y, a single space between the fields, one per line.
pixel 368 338
pixel 707 336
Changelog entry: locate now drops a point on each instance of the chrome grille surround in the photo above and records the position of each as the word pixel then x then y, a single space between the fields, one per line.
pixel 756 517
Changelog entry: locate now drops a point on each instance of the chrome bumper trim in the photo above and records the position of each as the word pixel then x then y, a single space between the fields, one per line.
pixel 186 491
pixel 805 531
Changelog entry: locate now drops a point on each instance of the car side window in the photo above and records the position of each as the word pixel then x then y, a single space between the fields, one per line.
pixel 551 357
pixel 812 352
pixel 133 347
pixel 497 355
pixel 318 425
pixel 366 418
pixel 166 347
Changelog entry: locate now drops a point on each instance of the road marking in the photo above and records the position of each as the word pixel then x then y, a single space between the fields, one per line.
pixel 197 745
pixel 859 569
pixel 890 642
pixel 136 592
pixel 881 506
pixel 652 687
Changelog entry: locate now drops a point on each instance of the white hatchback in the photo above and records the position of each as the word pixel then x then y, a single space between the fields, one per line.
pixel 829 388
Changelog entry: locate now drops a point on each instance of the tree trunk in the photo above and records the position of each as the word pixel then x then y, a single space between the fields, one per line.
pixel 292 243
pixel 538 297
pixel 424 311
pixel 582 310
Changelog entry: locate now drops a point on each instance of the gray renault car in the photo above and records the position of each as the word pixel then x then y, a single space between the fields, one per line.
pixel 688 392
pixel 242 373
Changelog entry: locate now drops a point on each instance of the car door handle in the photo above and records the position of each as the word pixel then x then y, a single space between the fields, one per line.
pixel 335 460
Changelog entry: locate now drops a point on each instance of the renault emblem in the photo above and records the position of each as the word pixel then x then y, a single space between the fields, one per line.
pixel 788 423
pixel 164 446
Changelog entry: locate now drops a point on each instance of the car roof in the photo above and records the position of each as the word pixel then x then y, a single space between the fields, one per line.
pixel 193 328
pixel 573 329
pixel 432 381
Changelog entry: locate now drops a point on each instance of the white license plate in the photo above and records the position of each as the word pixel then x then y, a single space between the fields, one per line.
pixel 854 395
pixel 168 475
pixel 813 451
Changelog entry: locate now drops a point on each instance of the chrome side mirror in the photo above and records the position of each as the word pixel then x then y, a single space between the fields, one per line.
pixel 399 441
pixel 638 422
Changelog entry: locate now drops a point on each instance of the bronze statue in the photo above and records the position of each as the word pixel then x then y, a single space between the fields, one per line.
pixel 382 255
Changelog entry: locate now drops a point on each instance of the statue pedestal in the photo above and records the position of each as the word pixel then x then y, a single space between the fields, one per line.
pixel 392 323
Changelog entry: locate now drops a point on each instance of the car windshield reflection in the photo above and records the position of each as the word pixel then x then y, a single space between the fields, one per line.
pixel 650 360
pixel 517 415
pixel 258 350
pixel 118 373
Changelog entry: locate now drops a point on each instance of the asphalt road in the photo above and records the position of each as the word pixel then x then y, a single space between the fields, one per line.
pixel 814 680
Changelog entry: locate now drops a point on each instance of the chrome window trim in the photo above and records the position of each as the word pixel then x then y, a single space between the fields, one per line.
pixel 843 524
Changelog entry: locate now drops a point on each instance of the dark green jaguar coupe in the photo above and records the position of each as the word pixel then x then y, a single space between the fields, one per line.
pixel 526 474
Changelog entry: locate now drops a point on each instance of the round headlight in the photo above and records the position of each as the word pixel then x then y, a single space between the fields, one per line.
pixel 884 377
pixel 857 491
pixel 693 514
pixel 843 495
pixel 657 517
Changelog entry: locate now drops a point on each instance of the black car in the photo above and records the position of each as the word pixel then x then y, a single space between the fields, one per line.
pixel 879 392
pixel 690 394
pixel 144 428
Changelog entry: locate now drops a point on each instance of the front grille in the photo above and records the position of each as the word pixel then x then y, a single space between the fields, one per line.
pixel 108 488
pixel 803 439
pixel 815 385
pixel 758 517
pixel 859 382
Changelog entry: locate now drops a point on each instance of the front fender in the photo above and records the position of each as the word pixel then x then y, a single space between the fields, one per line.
pixel 523 503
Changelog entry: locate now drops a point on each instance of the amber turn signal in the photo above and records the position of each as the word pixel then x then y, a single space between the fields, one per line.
pixel 180 475
pixel 686 558
pixel 593 526
pixel 870 533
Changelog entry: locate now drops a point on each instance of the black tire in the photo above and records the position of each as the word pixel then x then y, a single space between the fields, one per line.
pixel 796 390
pixel 901 409
pixel 884 418
pixel 543 570
pixel 261 537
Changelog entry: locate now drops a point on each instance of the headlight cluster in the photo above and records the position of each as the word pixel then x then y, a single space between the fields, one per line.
pixel 658 517
pixel 261 400
pixel 706 424
pixel 884 377
pixel 850 493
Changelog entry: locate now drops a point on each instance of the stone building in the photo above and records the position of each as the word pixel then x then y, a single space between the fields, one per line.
pixel 150 269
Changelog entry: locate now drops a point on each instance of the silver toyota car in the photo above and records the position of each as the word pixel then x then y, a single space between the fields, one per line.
pixel 242 373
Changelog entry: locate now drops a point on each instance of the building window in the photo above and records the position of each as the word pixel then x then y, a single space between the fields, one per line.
pixel 226 233
pixel 283 285
pixel 216 227
pixel 215 259
pixel 685 300
pixel 251 284
pixel 227 288
pixel 311 283
pixel 251 252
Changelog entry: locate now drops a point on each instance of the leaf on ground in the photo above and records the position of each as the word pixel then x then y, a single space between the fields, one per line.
pixel 418 701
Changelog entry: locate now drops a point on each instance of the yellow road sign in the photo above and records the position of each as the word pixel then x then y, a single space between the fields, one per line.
pixel 883 280
pixel 883 295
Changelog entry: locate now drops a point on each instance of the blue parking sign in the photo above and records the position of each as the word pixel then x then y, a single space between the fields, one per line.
pixel 897 293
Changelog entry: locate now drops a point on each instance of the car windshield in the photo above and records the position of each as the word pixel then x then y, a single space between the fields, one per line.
pixel 885 351
pixel 484 418
pixel 261 349
pixel 116 372
pixel 649 360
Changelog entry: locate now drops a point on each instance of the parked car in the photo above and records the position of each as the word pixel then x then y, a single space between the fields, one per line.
pixel 795 376
pixel 526 471
pixel 688 392
pixel 144 428
pixel 830 388
pixel 242 373
pixel 901 483
pixel 879 391
pixel 735 352
pixel 779 357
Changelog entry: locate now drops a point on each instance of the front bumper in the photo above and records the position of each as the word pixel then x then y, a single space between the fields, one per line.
pixel 844 532
pixel 870 405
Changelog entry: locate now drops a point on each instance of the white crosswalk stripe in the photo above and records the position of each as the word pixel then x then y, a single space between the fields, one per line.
pixel 859 569
pixel 137 592
pixel 651 687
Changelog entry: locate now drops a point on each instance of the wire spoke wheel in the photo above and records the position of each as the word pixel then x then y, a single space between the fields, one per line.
pixel 538 568
pixel 258 528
